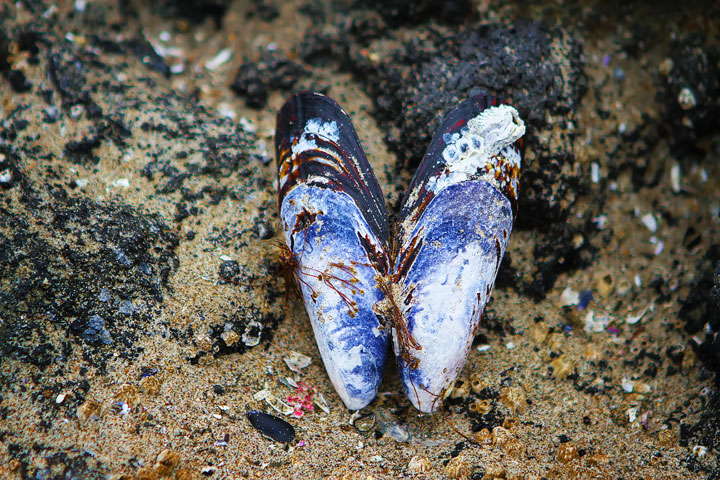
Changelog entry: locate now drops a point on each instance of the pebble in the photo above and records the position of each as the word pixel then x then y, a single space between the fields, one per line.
pixel 166 462
pixel 562 366
pixel 126 307
pixel 96 331
pixel 458 468
pixel 6 178
pixel 419 464
pixel 604 284
pixel 686 99
pixel 229 269
pixel 272 426
pixel 482 407
pixel 665 67
pixel 495 472
pixel 128 394
pixel 650 222
pixel 222 57
pixel 567 452
pixel 539 332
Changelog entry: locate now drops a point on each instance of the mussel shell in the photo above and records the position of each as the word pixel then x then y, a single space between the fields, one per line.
pixel 333 214
pixel 453 232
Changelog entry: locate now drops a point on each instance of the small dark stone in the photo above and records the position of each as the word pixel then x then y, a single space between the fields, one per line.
pixel 219 389
pixel 18 81
pixel 264 9
pixel 264 230
pixel 144 51
pixel 174 183
pixel 96 333
pixel 21 124
pixel 692 96
pixel 255 80
pixel 182 212
pixel 194 10
pixel 229 269
pixel 398 12
pixel 272 426
pixel 459 447
pixel 676 353
pixel 82 151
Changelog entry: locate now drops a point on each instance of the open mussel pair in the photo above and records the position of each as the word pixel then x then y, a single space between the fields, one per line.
pixel 430 289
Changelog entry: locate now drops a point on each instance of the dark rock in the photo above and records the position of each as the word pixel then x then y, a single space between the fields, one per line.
pixel 229 269
pixel 18 81
pixel 81 151
pixel 96 333
pixel 265 10
pixel 272 426
pixel 706 431
pixel 255 80
pixel 67 73
pixel 398 12
pixel 138 47
pixel 195 10
pixel 692 94
pixel 699 307
pixel 68 462
pixel 62 284
pixel 702 308
pixel 147 55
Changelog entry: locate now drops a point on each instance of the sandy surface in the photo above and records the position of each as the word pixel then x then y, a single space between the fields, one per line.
pixel 540 397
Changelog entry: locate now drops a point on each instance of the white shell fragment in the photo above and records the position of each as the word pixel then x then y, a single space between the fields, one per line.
pixel 296 361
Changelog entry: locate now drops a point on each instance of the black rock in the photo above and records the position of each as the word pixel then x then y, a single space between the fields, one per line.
pixel 692 96
pixel 272 426
pixel 699 307
pixel 229 269
pixel 255 80
pixel 194 10
pixel 18 81
pixel 397 12
pixel 263 9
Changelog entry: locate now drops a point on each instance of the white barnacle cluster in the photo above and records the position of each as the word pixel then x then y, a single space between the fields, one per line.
pixel 478 144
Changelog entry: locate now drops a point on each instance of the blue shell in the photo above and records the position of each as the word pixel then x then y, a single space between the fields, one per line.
pixel 335 224
pixel 453 229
